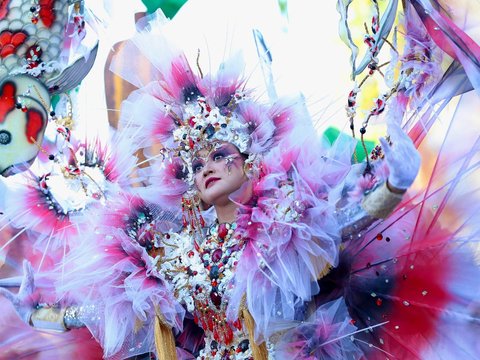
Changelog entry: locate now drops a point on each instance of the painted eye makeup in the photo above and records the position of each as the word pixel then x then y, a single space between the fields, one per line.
pixel 218 155
pixel 197 166
pixel 222 153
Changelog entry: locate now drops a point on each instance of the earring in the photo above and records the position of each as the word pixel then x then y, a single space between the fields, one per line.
pixel 191 214
pixel 251 166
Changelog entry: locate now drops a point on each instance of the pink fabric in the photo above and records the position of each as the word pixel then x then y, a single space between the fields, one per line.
pixel 120 281
pixel 282 259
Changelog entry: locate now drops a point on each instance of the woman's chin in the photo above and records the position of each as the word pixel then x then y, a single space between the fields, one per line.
pixel 217 200
pixel 222 193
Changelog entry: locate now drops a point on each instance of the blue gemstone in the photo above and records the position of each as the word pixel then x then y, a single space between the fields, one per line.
pixel 214 272
pixel 210 130
pixel 244 345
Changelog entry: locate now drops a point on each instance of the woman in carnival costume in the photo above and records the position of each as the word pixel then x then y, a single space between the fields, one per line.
pixel 252 239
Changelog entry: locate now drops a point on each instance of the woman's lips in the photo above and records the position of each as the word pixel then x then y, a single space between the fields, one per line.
pixel 210 181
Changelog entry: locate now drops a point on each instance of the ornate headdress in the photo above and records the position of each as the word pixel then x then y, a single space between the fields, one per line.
pixel 185 112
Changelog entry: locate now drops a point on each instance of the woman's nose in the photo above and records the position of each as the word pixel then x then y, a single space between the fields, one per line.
pixel 208 168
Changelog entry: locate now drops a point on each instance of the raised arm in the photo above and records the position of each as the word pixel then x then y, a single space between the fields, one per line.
pixel 43 316
pixel 403 162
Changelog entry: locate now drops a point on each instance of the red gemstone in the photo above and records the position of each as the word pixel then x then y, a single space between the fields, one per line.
pixel 379 236
pixel 379 302
pixel 216 298
pixel 228 336
pixel 238 324
pixel 222 231
pixel 217 255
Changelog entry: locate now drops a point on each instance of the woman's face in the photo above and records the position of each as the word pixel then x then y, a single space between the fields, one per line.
pixel 218 173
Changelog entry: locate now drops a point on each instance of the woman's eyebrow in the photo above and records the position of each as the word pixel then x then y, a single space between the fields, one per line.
pixel 198 158
pixel 224 147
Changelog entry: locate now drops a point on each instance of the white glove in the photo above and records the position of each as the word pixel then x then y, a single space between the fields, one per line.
pixel 402 158
pixel 23 301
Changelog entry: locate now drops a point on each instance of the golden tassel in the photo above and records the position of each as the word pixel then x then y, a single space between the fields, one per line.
pixel 259 351
pixel 326 269
pixel 164 340
pixel 138 325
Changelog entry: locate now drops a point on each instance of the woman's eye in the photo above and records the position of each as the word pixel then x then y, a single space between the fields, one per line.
pixel 218 157
pixel 197 168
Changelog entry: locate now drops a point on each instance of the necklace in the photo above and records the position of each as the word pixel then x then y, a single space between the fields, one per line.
pixel 219 255
pixel 202 276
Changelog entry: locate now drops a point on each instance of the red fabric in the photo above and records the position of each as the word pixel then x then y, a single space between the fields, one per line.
pixel 4 8
pixel 35 125
pixel 47 12
pixel 7 99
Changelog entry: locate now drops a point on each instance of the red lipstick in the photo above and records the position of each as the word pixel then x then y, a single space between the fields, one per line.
pixel 210 180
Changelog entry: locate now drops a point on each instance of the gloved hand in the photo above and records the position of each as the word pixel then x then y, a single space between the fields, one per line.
pixel 23 301
pixel 402 158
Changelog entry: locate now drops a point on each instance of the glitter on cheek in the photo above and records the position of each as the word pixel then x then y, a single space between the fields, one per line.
pixel 230 161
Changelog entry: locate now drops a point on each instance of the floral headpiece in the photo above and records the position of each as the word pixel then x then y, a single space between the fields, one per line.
pixel 204 124
pixel 185 111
